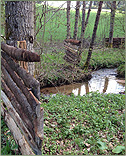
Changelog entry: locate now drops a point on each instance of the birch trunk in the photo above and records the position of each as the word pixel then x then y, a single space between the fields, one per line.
pixel 20 25
pixel 83 24
pixel 68 19
pixel 76 19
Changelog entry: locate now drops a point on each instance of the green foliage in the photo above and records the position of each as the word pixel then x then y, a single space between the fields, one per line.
pixel 104 58
pixel 118 149
pixel 2 17
pixel 83 124
pixel 102 145
pixel 8 145
pixel 54 65
pixel 121 70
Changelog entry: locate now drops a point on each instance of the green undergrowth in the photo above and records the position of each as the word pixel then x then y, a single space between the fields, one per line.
pixel 104 58
pixel 82 125
pixel 78 125
pixel 121 70
pixel 8 144
pixel 55 68
pixel 101 58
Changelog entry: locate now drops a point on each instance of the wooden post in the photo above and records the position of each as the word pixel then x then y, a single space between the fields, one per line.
pixel 22 44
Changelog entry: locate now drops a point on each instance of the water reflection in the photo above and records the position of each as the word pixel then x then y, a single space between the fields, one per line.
pixel 103 80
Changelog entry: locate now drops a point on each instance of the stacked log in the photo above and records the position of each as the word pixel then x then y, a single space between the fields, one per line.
pixel 73 51
pixel 20 94
pixel 117 42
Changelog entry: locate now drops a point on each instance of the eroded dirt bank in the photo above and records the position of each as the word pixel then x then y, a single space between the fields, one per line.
pixel 63 76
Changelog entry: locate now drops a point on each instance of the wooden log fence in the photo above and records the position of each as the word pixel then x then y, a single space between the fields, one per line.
pixel 20 95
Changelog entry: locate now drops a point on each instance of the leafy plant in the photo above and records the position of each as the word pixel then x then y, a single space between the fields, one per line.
pixel 84 124
pixel 102 145
pixel 118 149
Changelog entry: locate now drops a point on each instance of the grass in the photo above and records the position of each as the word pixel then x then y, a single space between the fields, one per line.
pixel 56 28
pixel 104 58
pixel 89 124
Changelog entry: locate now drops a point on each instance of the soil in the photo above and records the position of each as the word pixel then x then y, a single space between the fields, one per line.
pixel 64 76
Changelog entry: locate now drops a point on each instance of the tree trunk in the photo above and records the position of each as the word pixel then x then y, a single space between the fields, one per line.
pixel 76 19
pixel 68 19
pixel 83 24
pixel 86 66
pixel 113 9
pixel 88 14
pixel 20 25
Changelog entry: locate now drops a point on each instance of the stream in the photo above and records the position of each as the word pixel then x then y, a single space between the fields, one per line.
pixel 103 81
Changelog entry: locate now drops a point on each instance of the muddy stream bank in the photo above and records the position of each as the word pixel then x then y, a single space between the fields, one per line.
pixel 103 81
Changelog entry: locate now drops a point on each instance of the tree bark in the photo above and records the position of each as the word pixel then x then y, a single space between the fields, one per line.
pixel 20 25
pixel 18 94
pixel 76 19
pixel 27 78
pixel 20 54
pixel 25 102
pixel 113 9
pixel 22 44
pixel 88 14
pixel 86 66
pixel 68 19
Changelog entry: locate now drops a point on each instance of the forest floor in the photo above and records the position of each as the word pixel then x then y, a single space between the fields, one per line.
pixel 93 124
